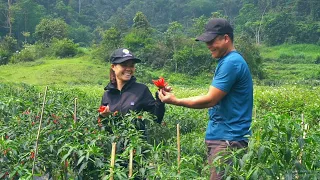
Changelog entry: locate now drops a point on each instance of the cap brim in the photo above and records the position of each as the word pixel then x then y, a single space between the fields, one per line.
pixel 206 37
pixel 121 60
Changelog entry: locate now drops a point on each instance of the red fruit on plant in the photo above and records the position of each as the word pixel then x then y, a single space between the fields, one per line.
pixel 31 155
pixel 160 83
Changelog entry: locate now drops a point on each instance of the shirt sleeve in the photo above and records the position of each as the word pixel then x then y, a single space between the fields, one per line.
pixel 154 106
pixel 104 101
pixel 225 76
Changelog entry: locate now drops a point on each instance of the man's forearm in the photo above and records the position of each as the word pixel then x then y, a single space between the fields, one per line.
pixel 197 102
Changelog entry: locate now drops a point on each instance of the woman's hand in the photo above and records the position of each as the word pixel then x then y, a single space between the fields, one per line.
pixel 168 89
pixel 104 111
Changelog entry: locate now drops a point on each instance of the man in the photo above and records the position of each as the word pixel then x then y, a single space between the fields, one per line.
pixel 230 96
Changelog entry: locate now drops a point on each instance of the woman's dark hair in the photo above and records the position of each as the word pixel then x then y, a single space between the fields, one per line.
pixel 113 79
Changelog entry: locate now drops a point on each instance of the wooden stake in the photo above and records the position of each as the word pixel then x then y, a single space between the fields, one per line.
pixel 304 130
pixel 75 111
pixel 178 146
pixel 113 154
pixel 255 113
pixel 130 163
pixel 39 129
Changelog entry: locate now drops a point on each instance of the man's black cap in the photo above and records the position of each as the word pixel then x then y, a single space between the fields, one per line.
pixel 122 54
pixel 215 27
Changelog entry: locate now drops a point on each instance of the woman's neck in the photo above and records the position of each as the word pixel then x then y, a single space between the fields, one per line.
pixel 120 84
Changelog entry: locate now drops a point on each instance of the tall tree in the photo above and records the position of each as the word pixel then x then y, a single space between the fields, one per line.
pixel 9 17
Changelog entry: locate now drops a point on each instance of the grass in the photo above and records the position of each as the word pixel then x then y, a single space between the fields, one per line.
pixel 279 71
pixel 71 71
pixel 274 52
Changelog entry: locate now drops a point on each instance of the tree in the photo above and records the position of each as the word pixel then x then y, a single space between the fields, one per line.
pixel 140 34
pixel 251 54
pixel 9 17
pixel 8 45
pixel 249 22
pixel 111 40
pixel 27 15
pixel 140 22
pixel 198 25
pixel 193 60
pixel 173 38
pixel 48 29
pixel 278 27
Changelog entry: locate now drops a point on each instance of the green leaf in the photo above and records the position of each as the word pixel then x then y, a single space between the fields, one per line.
pixel 80 160
pixel 84 165
pixel 287 155
pixel 66 155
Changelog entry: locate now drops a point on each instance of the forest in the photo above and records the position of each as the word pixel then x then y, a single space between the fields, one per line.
pixel 159 31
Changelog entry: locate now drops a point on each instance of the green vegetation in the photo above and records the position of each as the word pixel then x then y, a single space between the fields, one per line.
pixel 274 53
pixel 82 149
pixel 70 71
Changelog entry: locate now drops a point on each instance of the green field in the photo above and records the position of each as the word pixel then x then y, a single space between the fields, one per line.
pixel 279 148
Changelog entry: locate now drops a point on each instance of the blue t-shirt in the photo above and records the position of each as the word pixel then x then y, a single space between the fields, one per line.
pixel 231 118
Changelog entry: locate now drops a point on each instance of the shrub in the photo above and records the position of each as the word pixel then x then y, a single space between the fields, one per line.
pixel 7 47
pixel 25 55
pixel 317 61
pixel 64 48
pixel 294 59
pixel 4 57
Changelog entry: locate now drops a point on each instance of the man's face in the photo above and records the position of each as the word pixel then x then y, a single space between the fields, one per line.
pixel 218 46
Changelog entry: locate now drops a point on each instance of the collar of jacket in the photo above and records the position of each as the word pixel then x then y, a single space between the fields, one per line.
pixel 112 88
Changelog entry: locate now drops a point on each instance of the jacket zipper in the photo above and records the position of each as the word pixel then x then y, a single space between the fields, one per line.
pixel 120 101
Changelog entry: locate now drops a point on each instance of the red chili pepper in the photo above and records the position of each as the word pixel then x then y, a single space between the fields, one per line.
pixel 115 113
pixel 160 83
pixel 139 117
pixel 102 108
pixel 31 155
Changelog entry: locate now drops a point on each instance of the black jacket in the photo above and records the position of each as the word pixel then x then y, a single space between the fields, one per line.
pixel 133 96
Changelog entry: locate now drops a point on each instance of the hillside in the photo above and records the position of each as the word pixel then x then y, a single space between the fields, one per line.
pixel 85 71
pixel 71 71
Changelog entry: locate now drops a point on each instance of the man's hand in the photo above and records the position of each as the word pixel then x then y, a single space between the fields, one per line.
pixel 166 96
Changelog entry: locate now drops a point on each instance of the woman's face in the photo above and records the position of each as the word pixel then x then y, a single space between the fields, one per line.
pixel 124 71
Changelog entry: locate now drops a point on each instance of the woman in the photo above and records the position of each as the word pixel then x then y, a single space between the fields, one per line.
pixel 123 93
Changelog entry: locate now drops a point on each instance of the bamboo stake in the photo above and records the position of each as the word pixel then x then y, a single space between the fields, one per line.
pixel 75 111
pixel 39 129
pixel 255 113
pixel 113 154
pixel 178 146
pixel 130 163
pixel 304 130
